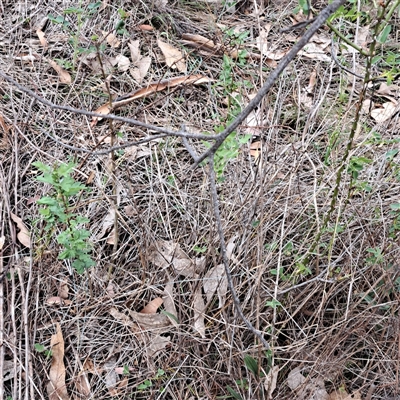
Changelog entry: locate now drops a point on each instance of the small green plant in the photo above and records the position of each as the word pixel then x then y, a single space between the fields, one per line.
pixel 148 382
pixel 57 213
pixel 229 88
pixel 376 256
pixel 82 14
pixel 42 349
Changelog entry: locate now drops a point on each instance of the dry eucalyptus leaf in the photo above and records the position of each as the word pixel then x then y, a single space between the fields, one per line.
pixel 169 304
pixel 130 211
pixel 153 306
pixel 164 253
pixel 82 384
pixel 123 63
pixel 56 388
pixel 199 307
pixel 150 321
pixel 42 38
pixel 173 57
pixel 64 76
pixel 270 380
pixel 215 280
pixel 112 39
pixel 158 343
pixel 23 235
pixel 385 113
pixel 64 289
pixel 315 52
pixel 138 73
pixel 111 376
pixel 108 222
pixel 2 241
pixel 119 316
pixel 295 378
pixel 135 52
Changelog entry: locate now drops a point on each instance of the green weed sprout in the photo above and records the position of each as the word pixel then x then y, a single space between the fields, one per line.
pixel 57 212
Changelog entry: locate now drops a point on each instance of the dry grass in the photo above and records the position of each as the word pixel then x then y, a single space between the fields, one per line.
pixel 339 323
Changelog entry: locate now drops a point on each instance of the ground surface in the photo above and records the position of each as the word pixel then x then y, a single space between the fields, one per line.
pixel 332 314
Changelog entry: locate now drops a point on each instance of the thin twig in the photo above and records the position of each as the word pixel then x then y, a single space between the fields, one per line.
pixel 340 65
pixel 129 121
pixel 217 215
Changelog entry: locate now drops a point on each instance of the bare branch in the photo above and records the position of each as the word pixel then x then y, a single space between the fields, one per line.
pixel 317 23
pixel 129 121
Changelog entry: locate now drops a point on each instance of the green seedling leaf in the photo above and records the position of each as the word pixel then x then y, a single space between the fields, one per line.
pixel 273 303
pixel 170 315
pixel 234 394
pixel 39 348
pixel 384 34
pixel 304 6
pixel 251 364
pixel 395 206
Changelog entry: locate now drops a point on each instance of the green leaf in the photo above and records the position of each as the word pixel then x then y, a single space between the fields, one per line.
pixel 384 34
pixel 234 394
pixel 170 315
pixel 395 206
pixel 304 6
pixel 39 348
pixel 251 364
pixel 273 303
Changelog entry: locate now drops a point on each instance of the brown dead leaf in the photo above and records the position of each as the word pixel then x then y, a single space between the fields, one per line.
pixel 341 394
pixel 158 343
pixel 150 321
pixel 111 376
pixel 135 52
pixel 315 51
pixel 198 315
pixel 147 28
pixel 199 42
pixel 140 71
pixel 169 304
pixel 153 306
pixel 23 235
pixel 42 38
pixel 64 289
pixel 57 300
pixel 64 76
pixel 56 388
pixel 271 380
pixel 215 280
pixel 164 253
pixel 123 63
pixel 111 39
pixel 385 112
pixel 108 223
pixel 384 89
pixel 82 384
pixel 150 89
pixel 173 57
